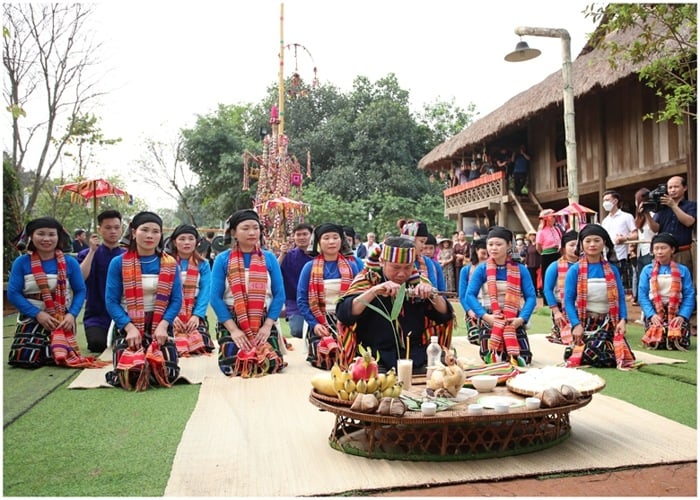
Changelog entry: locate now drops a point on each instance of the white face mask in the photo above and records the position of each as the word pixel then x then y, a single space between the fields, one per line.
pixel 607 205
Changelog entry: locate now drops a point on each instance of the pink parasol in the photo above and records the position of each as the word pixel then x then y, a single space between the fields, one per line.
pixel 576 215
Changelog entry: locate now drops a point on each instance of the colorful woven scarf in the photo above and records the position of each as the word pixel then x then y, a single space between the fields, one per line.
pixel 64 346
pixel 189 288
pixel 503 331
pixel 582 290
pixel 654 334
pixel 55 303
pixel 317 298
pixel 248 302
pixel 565 328
pixel 133 288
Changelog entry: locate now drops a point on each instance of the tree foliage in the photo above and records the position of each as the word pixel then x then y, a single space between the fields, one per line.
pixel 49 58
pixel 364 146
pixel 11 217
pixel 667 44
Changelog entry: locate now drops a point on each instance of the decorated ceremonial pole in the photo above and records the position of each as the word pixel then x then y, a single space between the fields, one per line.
pixel 280 97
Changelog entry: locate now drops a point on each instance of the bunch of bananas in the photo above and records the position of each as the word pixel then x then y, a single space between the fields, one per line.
pixel 339 383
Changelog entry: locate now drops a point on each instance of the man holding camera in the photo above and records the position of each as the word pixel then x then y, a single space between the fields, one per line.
pixel 676 215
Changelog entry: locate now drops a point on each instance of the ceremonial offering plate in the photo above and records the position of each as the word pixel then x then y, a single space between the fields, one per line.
pixel 492 401
pixel 536 380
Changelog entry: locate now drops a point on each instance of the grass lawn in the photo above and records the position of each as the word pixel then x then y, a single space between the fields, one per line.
pixel 109 442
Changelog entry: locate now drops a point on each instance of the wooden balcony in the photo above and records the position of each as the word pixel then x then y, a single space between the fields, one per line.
pixel 481 194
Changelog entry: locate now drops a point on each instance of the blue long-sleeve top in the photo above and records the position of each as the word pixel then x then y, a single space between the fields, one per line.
pixel 114 293
pixel 478 279
pixel 219 285
pixel 687 290
pixel 595 272
pixel 330 271
pixel 22 267
pixel 201 301
pixel 462 286
pixel 437 278
pixel 551 282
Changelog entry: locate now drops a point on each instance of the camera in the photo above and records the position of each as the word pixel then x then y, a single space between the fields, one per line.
pixel 654 199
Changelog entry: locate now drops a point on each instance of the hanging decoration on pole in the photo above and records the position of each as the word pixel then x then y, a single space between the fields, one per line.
pixel 279 175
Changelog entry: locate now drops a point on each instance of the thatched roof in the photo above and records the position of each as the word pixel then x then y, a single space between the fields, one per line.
pixel 590 71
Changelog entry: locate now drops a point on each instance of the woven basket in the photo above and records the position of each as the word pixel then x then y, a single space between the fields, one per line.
pixel 330 399
pixel 513 385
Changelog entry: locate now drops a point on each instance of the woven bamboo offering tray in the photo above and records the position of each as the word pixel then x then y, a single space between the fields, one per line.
pixel 452 434
pixel 536 380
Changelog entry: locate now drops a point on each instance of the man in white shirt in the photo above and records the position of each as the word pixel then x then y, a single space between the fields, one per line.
pixel 371 243
pixel 621 228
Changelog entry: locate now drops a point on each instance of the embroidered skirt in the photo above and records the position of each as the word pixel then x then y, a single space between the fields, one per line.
pixel 31 344
pixel 485 352
pixel 598 335
pixel 323 352
pixel 169 351
pixel 678 341
pixel 262 360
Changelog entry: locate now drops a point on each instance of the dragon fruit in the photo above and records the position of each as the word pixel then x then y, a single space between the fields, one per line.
pixel 365 366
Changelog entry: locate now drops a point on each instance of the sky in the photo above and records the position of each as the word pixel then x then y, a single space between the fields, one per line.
pixel 167 62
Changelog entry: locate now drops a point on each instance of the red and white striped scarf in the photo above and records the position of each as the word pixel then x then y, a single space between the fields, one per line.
pixel 189 288
pixel 503 331
pixel 317 298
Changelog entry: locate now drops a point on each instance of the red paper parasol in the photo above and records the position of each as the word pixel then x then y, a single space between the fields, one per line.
pixel 91 190
pixel 575 212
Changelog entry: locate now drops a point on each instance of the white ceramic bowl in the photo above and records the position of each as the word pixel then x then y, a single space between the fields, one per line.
pixel 475 409
pixel 484 383
pixel 501 407
pixel 428 408
pixel 532 403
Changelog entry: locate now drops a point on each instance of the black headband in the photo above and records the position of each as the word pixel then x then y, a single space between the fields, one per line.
pixel 144 217
pixel 667 238
pixel 236 218
pixel 184 229
pixel 568 236
pixel 597 230
pixel 500 232
pixel 48 222
pixel 322 229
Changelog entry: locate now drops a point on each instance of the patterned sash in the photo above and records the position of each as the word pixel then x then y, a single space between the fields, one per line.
pixel 64 346
pixel 189 343
pixel 248 302
pixel 317 299
pixel 133 288
pixel 654 334
pixel 503 332
pixel 565 328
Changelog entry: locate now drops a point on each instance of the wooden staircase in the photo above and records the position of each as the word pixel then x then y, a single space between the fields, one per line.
pixel 527 209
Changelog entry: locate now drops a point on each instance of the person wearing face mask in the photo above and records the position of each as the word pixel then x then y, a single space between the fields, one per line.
pixel 621 228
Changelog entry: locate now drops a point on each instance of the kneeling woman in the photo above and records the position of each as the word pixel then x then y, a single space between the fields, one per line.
pixel 508 298
pixel 321 282
pixel 48 291
pixel 554 278
pixel 667 297
pixel 191 326
pixel 247 295
pixel 594 299
pixel 143 296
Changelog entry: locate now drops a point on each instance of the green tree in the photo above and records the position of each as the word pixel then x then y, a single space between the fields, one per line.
pixel 666 44
pixel 444 119
pixel 213 149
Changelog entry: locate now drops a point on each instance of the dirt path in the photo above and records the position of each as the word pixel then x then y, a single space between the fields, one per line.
pixel 677 480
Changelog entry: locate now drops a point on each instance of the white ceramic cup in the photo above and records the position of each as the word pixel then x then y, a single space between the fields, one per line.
pixel 404 372
pixel 428 409
pixel 532 403
pixel 475 409
pixel 501 407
